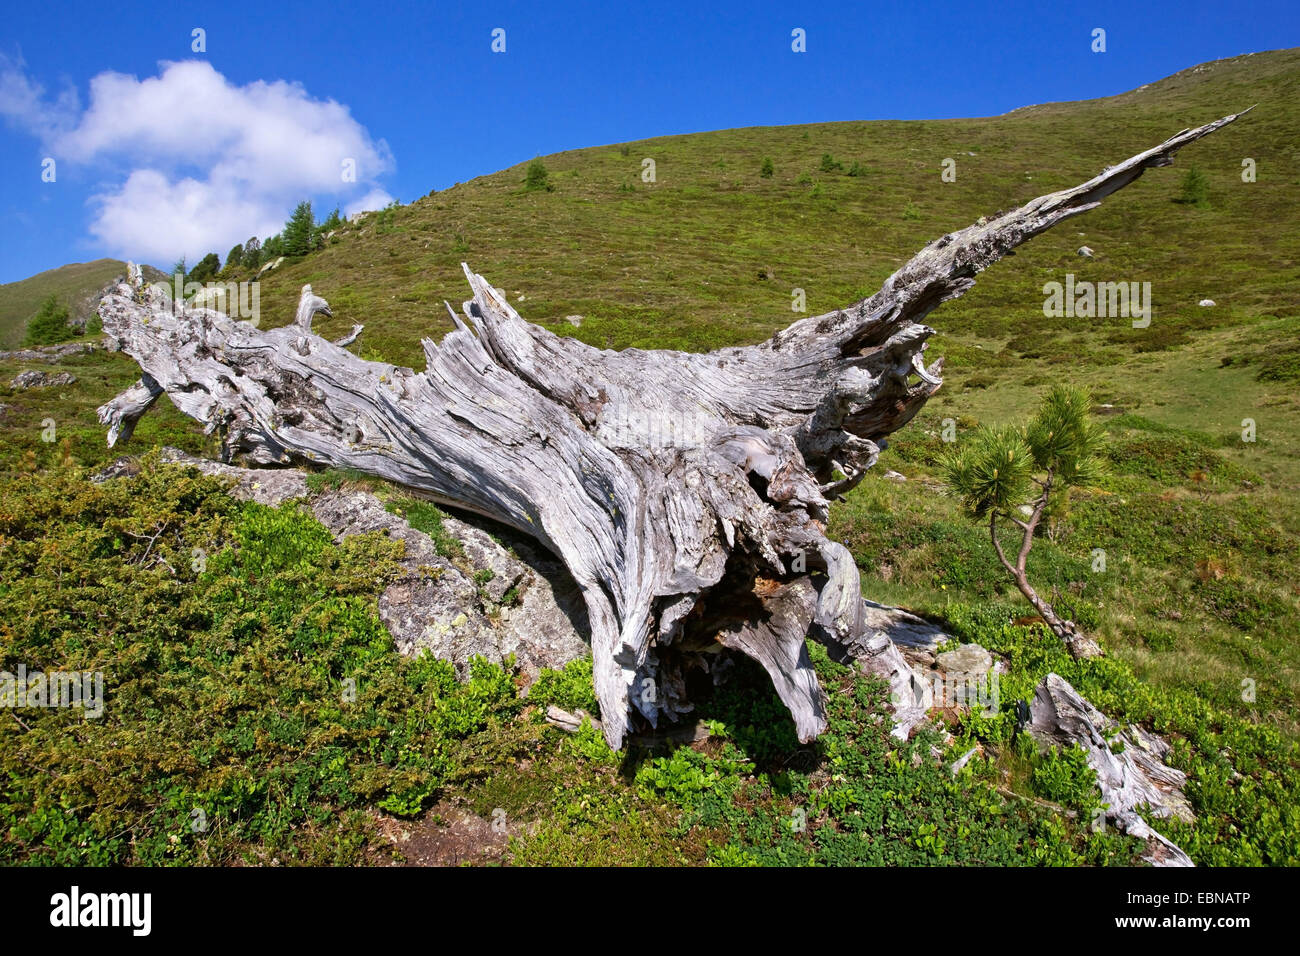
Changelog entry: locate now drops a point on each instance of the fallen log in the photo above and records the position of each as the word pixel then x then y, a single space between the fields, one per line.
pixel 687 494
pixel 1129 762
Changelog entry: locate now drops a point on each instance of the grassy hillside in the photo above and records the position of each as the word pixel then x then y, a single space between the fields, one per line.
pixel 75 284
pixel 708 254
pixel 1199 527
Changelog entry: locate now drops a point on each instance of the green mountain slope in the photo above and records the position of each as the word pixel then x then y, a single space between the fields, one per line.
pixel 75 284
pixel 708 254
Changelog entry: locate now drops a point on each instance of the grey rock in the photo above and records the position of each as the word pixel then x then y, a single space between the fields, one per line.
pixel 124 467
pixel 1085 252
pixel 266 486
pixel 35 379
pixel 436 605
pixel 1206 303
pixel 916 638
pixel 487 554
pixel 967 677
pixel 548 627
pixel 969 662
pixel 49 353
pixel 904 650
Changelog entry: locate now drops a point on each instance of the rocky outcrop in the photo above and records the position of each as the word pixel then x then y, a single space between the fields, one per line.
pixel 35 379
pixel 504 595
pixel 50 353
pixel 540 607
pixel 496 600
pixel 918 639
pixel 507 595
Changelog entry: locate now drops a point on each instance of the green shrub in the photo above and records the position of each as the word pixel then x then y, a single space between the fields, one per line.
pixel 254 704
pixel 1063 775
pixel 537 178
pixel 427 517
pixel 1195 189
pixel 1280 364
pixel 570 688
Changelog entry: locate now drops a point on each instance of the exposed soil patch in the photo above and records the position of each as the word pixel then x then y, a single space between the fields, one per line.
pixel 447 835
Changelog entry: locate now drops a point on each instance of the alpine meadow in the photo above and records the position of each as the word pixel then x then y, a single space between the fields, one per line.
pixel 1090 522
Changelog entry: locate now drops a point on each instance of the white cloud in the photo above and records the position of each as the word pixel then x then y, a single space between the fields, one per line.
pixel 210 163
pixel 150 218
pixel 23 102
pixel 375 199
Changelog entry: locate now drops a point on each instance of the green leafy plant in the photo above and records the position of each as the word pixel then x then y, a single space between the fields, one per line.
pixel 570 688
pixel 1063 775
pixel 246 675
pixel 427 517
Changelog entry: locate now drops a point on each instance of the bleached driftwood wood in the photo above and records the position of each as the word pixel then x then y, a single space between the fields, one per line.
pixel 1130 765
pixel 687 494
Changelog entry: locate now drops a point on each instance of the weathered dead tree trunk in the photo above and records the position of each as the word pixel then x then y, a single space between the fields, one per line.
pixel 687 494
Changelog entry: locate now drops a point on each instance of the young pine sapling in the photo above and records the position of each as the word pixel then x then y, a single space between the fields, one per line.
pixel 1015 474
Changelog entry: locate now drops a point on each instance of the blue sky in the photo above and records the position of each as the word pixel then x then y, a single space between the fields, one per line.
pixel 154 161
